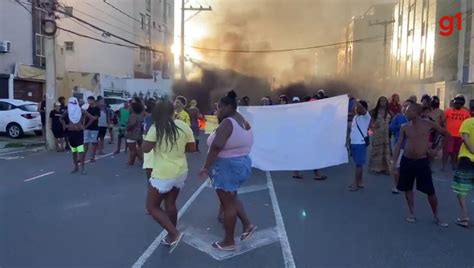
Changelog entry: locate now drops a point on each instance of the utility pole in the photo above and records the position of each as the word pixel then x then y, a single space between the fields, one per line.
pixel 385 24
pixel 48 26
pixel 183 12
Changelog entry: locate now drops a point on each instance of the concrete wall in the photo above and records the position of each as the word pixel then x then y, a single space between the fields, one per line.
pixel 15 26
pixel 92 56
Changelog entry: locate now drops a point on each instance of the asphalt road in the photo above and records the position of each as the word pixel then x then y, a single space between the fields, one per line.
pixel 49 218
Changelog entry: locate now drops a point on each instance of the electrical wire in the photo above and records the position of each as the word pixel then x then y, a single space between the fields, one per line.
pixel 21 4
pixel 122 12
pixel 284 49
pixel 96 39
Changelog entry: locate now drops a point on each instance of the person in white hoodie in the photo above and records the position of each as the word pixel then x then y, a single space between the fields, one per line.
pixel 73 121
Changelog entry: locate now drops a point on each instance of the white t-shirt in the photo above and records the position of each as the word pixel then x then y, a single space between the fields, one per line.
pixel 363 121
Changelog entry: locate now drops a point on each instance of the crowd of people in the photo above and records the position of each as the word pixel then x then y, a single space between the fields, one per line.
pixel 404 138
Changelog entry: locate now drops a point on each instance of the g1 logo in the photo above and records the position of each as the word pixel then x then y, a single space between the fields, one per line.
pixel 446 23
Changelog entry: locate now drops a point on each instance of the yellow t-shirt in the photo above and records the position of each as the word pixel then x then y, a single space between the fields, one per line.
pixel 183 116
pixel 169 163
pixel 467 127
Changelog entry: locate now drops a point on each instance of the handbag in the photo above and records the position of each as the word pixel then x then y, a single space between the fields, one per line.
pixel 366 137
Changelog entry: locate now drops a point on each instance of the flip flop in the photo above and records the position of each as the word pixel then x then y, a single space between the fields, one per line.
pixel 361 186
pixel 353 188
pixel 440 223
pixel 173 245
pixel 322 178
pixel 462 222
pixel 411 219
pixel 165 242
pixel 247 235
pixel 297 177
pixel 218 246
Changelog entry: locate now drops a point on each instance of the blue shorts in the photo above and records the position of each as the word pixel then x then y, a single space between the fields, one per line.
pixel 229 174
pixel 359 154
pixel 90 136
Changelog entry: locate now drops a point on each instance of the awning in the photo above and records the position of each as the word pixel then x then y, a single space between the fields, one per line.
pixel 24 71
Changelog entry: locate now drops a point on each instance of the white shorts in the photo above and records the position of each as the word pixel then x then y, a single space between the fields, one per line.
pixel 148 160
pixel 131 141
pixel 399 160
pixel 164 186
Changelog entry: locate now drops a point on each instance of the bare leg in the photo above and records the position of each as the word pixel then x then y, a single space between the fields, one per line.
pixel 101 146
pixel 396 178
pixel 318 176
pixel 111 133
pixel 119 145
pixel 76 163
pixel 153 204
pixel 86 149
pixel 463 205
pixel 94 151
pixel 411 203
pixel 246 224
pixel 56 143
pixel 81 157
pixel 132 153
pixel 170 205
pixel 230 216
pixel 454 158
pixel 359 172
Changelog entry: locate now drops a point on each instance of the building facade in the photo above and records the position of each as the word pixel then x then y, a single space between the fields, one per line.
pixel 418 51
pixel 364 53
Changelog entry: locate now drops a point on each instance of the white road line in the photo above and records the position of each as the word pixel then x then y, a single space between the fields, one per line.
pixel 252 188
pixel 280 225
pixel 149 251
pixel 99 157
pixel 39 176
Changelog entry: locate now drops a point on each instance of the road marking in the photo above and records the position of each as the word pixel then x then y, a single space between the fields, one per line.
pixel 39 176
pixel 99 157
pixel 252 188
pixel 202 241
pixel 280 225
pixel 144 257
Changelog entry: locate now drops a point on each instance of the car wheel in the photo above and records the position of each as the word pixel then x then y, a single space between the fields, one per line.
pixel 14 131
pixel 39 132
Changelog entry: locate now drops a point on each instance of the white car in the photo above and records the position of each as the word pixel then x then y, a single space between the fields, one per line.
pixel 18 117
pixel 116 103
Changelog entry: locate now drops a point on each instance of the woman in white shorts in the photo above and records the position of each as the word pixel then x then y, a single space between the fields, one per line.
pixel 169 140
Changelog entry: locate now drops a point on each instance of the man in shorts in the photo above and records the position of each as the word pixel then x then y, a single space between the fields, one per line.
pixel 464 175
pixel 91 132
pixel 454 118
pixel 415 163
pixel 359 132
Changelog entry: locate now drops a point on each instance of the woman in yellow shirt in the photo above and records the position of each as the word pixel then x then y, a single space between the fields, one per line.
pixel 169 140
pixel 180 113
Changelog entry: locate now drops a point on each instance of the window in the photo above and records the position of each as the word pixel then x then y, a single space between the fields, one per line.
pixel 148 5
pixel 69 45
pixel 167 12
pixel 4 106
pixel 148 22
pixel 39 44
pixel 142 21
pixel 423 29
pixel 29 107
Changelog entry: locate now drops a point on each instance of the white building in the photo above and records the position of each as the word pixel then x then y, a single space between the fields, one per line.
pixel 144 22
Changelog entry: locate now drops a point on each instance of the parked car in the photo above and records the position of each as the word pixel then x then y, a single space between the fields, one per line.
pixel 18 117
pixel 116 103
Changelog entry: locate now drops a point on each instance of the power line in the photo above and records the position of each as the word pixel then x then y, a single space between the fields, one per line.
pixel 21 4
pixel 122 12
pixel 96 39
pixel 284 49
pixel 109 33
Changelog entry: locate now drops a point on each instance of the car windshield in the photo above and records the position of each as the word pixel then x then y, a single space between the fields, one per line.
pixel 113 101
pixel 29 107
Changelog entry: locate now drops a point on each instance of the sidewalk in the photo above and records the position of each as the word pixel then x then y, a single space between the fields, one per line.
pixel 9 146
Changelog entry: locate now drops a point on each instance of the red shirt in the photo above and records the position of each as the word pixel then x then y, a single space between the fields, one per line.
pixel 454 120
pixel 394 108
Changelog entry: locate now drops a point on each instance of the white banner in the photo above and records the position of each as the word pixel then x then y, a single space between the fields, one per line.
pixel 303 136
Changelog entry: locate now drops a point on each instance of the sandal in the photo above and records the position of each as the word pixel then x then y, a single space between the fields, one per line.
pixel 247 235
pixel 218 246
pixel 361 186
pixel 440 223
pixel 353 188
pixel 462 222
pixel 411 219
pixel 321 178
pixel 173 245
